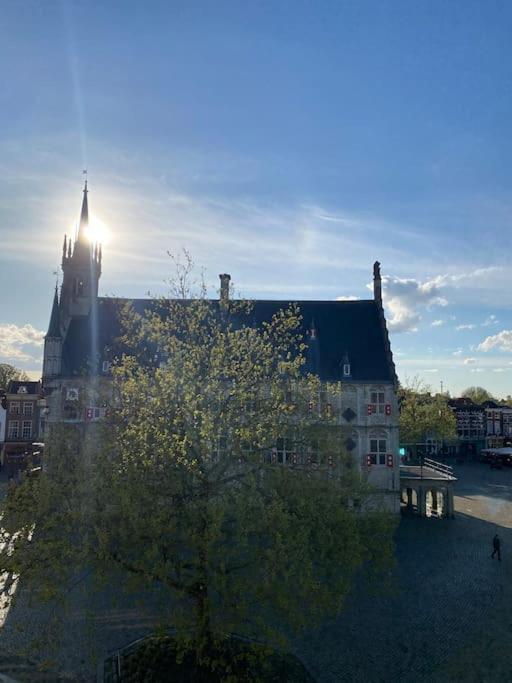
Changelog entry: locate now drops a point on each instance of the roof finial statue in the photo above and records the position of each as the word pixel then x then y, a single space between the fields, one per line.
pixel 377 283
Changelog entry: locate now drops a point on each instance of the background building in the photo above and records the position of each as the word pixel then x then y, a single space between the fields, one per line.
pixel 485 425
pixel 22 424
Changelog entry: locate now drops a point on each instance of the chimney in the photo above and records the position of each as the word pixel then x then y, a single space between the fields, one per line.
pixel 224 288
pixel 377 283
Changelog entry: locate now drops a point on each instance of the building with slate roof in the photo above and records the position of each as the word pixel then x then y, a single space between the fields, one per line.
pixel 347 343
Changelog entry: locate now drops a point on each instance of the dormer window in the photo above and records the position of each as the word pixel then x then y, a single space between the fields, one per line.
pixel 346 369
pixel 22 390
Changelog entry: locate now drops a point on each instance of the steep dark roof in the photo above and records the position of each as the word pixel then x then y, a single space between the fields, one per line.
pixel 354 328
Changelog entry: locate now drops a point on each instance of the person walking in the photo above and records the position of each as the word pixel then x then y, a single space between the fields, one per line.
pixel 496 544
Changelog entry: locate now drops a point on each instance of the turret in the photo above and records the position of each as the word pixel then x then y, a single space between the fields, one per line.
pixel 53 343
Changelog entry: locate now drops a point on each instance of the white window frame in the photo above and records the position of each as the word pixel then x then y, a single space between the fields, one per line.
pixel 377 450
pixel 26 406
pixel 14 408
pixel 286 451
pixel 26 424
pixel 14 425
pixel 378 402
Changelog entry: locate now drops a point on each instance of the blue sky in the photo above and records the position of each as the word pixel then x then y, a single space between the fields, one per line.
pixel 290 144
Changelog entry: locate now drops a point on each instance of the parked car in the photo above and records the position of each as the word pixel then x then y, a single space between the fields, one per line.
pixel 500 457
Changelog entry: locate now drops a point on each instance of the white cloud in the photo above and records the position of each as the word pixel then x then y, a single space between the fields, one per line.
pixel 502 341
pixel 458 352
pixel 346 298
pixel 464 279
pixel 13 338
pixel 501 369
pixel 469 361
pixel 476 370
pixel 431 370
pixel 404 299
pixel 491 320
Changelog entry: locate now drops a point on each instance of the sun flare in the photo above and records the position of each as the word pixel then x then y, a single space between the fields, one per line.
pixel 97 232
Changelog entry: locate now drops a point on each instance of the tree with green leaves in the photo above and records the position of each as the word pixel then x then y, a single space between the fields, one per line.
pixel 478 394
pixel 424 415
pixel 9 373
pixel 182 493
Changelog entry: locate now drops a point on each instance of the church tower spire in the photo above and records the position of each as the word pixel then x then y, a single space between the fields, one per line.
pixel 82 269
pixel 84 217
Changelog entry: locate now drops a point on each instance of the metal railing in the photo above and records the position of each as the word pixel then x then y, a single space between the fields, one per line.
pixel 438 466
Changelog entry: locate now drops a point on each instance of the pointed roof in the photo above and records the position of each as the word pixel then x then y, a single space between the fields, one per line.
pixel 54 327
pixel 84 214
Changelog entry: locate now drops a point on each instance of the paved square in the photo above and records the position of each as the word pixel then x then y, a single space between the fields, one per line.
pixel 450 617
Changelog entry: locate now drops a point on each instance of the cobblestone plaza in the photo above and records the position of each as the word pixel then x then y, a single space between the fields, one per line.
pixel 447 616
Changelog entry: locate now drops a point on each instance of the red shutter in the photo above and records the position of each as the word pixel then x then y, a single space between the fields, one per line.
pixel 370 411
pixel 388 408
pixel 368 460
pixel 88 413
pixel 390 460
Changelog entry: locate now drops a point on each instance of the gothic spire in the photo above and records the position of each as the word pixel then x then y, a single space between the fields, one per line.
pixel 54 327
pixel 84 215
